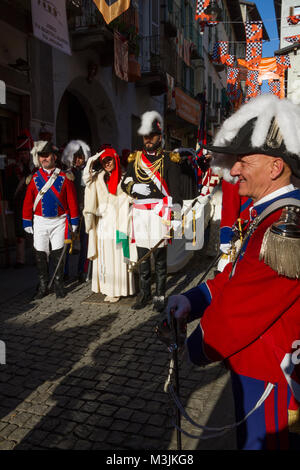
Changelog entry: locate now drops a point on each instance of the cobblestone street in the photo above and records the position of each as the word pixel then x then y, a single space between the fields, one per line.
pixel 83 374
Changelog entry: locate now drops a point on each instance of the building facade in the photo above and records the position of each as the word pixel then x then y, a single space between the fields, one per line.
pixel 288 23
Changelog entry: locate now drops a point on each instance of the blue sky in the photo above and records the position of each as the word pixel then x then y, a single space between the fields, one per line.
pixel 267 13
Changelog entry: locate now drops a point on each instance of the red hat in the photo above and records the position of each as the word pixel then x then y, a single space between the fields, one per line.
pixel 116 173
pixel 24 141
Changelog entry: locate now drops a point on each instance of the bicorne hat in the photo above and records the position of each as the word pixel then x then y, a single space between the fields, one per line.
pixel 265 125
pixel 151 123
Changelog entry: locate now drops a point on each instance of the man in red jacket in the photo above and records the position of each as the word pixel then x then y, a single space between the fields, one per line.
pixel 50 212
pixel 249 314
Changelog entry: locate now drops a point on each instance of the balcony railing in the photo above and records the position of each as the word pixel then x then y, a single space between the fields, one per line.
pixel 171 18
pixel 90 17
pixel 157 55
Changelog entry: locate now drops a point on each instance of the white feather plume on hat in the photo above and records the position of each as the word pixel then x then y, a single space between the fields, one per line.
pixel 264 108
pixel 72 147
pixel 37 147
pixel 147 121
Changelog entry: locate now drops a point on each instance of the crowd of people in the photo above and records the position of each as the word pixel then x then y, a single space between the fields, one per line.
pixel 248 315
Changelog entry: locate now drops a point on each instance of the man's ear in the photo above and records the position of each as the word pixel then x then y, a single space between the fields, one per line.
pixel 277 167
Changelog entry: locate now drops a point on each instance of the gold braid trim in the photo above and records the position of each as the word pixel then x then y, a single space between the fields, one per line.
pixel 175 157
pixel 132 156
pixel 28 179
pixel 129 187
pixel 158 165
pixel 70 176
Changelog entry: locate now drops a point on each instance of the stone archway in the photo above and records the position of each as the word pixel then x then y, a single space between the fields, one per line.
pixel 97 121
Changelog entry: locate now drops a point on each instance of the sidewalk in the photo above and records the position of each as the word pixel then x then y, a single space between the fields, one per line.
pixel 81 374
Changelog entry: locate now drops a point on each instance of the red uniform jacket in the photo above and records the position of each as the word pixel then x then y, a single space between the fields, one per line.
pixel 251 320
pixel 58 200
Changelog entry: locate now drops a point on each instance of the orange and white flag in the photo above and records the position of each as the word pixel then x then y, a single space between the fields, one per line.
pixel 111 9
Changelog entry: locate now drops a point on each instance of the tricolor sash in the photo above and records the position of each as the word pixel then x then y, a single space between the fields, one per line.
pixel 163 206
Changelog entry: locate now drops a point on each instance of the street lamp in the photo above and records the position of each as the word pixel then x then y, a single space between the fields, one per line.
pixel 213 10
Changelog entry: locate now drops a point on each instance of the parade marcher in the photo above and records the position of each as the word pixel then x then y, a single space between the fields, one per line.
pixel 50 213
pixel 74 158
pixel 249 313
pixel 15 185
pixel 152 179
pixel 106 213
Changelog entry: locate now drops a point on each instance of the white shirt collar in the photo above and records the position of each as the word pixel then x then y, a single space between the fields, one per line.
pixel 274 194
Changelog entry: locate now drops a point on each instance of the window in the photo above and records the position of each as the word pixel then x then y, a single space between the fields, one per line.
pixel 155 18
pixel 295 10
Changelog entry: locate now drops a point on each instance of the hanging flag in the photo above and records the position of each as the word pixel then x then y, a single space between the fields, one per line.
pixel 200 15
pixel 252 78
pixel 232 74
pixel 111 9
pixel 253 53
pixel 120 56
pixel 253 31
pixel 274 86
pixel 220 52
pixel 187 51
pixel 283 61
pixel 293 39
pixel 230 60
pixel 292 20
pixel 179 43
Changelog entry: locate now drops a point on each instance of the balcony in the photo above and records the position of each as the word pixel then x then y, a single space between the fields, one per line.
pixel 171 19
pixel 89 30
pixel 156 58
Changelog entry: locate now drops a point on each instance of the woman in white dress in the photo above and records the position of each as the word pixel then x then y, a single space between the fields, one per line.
pixel 106 213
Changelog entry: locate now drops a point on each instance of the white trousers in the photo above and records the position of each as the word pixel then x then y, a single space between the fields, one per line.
pixel 48 230
pixel 148 228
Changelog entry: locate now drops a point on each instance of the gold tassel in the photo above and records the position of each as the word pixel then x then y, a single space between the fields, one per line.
pixel 280 247
pixel 194 227
pixel 183 224
pixel 294 421
pixel 281 254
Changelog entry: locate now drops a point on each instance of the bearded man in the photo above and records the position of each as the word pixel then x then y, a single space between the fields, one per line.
pixel 152 179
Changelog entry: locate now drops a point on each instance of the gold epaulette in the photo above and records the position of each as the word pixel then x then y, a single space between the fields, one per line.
pixel 28 179
pixel 175 157
pixel 70 176
pixel 132 157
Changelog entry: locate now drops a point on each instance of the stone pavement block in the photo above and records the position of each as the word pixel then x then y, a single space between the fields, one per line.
pixel 91 376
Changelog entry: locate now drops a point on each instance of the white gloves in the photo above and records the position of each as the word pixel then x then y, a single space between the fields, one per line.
pixel 176 224
pixel 74 228
pixel 29 230
pixel 141 188
pixel 179 305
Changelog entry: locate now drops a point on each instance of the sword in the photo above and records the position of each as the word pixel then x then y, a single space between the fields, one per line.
pixel 135 265
pixel 176 371
pixel 58 265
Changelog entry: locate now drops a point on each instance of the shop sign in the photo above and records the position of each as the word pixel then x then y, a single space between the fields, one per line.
pixel 49 21
pixel 187 108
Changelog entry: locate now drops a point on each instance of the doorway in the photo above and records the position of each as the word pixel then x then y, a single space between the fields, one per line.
pixel 72 122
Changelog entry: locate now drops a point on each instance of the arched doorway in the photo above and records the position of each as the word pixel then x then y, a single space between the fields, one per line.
pixel 72 121
pixel 85 111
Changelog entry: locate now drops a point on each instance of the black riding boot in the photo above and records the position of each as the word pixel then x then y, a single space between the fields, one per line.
pixel 42 268
pixel 59 276
pixel 144 295
pixel 160 259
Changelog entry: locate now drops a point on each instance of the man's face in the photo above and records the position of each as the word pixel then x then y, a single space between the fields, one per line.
pixel 152 141
pixel 79 161
pixel 254 174
pixel 47 162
